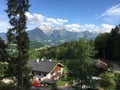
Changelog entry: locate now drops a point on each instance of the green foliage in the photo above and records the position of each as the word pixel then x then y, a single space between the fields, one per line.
pixel 115 38
pixel 35 45
pixel 64 81
pixel 3 51
pixel 69 50
pixel 61 82
pixel 3 58
pixel 102 44
pixel 108 44
pixel 17 36
pixel 3 68
pixel 107 81
pixel 82 70
pixel 117 79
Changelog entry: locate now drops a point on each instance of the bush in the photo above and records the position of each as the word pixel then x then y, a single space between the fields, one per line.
pixel 61 82
pixel 107 81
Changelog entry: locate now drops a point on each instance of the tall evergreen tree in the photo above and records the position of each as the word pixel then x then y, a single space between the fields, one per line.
pixel 115 37
pixel 17 35
pixel 103 44
pixel 108 44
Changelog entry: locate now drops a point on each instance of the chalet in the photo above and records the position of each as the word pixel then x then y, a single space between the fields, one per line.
pixel 101 67
pixel 45 70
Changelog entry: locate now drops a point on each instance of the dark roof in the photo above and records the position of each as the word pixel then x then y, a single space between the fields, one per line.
pixel 42 66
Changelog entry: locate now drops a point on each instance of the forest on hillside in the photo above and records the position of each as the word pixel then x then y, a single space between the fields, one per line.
pixel 105 46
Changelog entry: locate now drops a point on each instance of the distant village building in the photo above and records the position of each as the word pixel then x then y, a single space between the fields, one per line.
pixel 45 70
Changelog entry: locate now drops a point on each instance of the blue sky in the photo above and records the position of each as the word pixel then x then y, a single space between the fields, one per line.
pixel 74 15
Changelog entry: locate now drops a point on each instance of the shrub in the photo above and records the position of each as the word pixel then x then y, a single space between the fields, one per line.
pixel 107 81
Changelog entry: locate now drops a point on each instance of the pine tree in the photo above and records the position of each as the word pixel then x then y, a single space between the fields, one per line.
pixel 17 35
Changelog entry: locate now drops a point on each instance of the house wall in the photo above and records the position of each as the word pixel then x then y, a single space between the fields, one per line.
pixel 38 76
pixel 55 74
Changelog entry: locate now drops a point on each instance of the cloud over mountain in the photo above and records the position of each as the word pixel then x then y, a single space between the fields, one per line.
pixel 106 27
pixel 48 23
pixel 73 27
pixel 35 18
pixel 40 19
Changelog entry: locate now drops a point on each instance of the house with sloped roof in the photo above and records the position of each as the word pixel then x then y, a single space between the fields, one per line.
pixel 44 70
pixel 101 67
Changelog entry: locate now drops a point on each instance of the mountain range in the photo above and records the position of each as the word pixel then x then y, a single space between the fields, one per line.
pixel 55 37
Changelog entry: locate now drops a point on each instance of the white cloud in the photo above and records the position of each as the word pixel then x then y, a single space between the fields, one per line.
pixel 56 21
pixel 39 20
pixel 35 18
pixel 113 11
pixel 89 27
pixel 43 27
pixel 72 27
pixel 47 24
pixel 112 14
pixel 82 27
pixel 106 27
